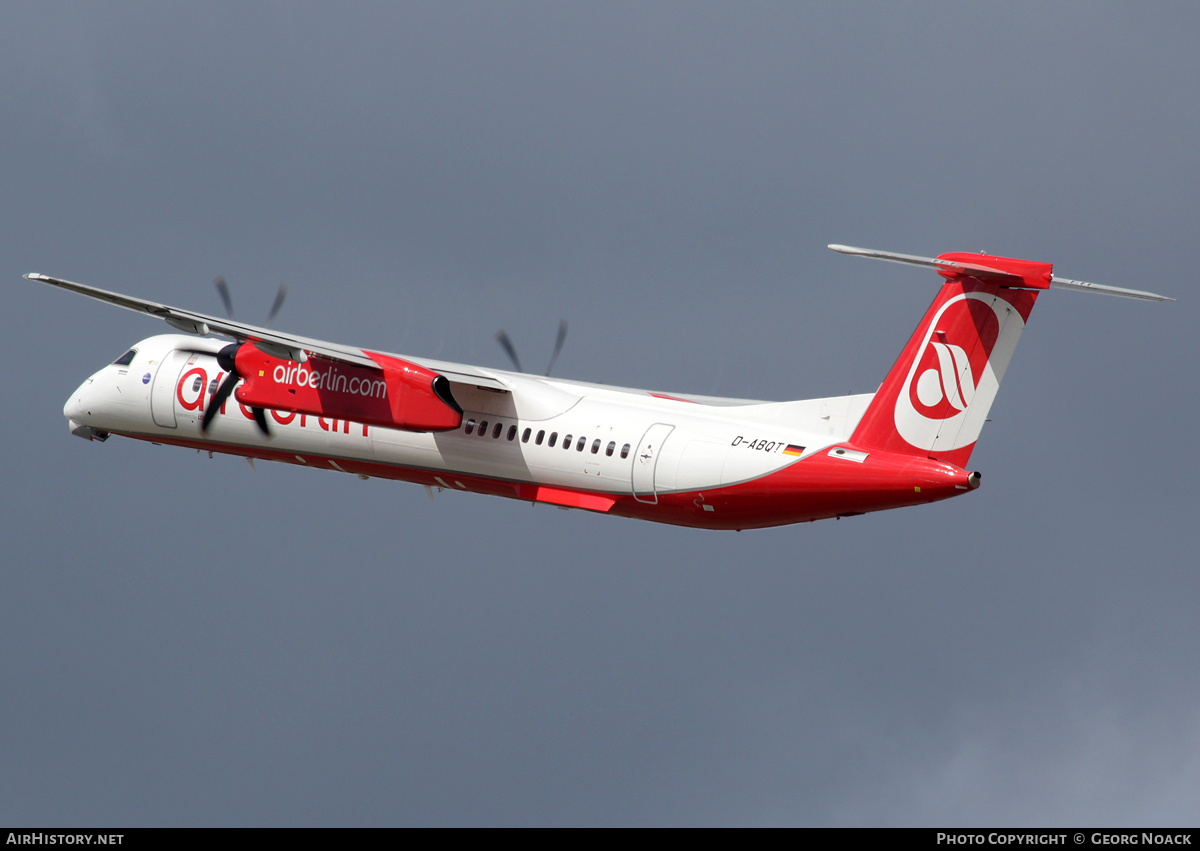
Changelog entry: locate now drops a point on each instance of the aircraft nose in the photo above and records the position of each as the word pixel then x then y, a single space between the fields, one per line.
pixel 78 412
pixel 76 406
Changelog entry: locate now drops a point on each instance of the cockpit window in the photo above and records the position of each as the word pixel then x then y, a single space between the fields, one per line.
pixel 125 359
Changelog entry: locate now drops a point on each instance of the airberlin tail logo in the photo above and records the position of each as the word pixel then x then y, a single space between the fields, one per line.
pixel 943 390
pixel 953 380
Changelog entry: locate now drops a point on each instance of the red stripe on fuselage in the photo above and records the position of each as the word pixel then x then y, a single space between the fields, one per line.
pixel 814 488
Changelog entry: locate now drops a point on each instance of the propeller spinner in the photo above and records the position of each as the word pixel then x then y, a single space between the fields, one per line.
pixel 227 358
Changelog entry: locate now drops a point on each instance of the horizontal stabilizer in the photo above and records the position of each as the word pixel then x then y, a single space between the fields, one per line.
pixel 981 270
pixel 1083 286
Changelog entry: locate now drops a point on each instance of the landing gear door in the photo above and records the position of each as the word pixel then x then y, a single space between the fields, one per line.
pixel 645 460
pixel 162 395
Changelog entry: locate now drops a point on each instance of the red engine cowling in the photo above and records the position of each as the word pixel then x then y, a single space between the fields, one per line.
pixel 399 394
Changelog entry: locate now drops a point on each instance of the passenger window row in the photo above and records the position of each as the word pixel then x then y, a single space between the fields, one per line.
pixel 498 428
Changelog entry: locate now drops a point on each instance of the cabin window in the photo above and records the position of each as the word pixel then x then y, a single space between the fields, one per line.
pixel 512 432
pixel 582 443
pixel 496 431
pixel 525 435
pixel 625 451
pixel 541 434
pixel 197 384
pixel 483 429
pixel 125 359
pixel 553 439
pixel 212 387
pixel 470 426
pixel 595 446
pixel 567 441
pixel 612 444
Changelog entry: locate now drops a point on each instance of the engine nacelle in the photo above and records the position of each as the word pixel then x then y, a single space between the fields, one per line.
pixel 399 394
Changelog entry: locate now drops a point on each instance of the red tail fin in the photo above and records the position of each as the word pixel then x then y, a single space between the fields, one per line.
pixel 937 396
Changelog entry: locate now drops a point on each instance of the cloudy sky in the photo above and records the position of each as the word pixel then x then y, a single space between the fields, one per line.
pixel 184 641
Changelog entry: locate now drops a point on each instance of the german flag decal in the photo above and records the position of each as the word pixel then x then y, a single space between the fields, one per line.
pixel 793 449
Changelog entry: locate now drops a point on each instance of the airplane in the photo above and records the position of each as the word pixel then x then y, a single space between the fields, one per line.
pixel 673 458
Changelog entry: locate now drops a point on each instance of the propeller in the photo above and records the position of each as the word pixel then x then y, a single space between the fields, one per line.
pixel 506 343
pixel 279 297
pixel 227 359
pixel 558 344
pixel 223 292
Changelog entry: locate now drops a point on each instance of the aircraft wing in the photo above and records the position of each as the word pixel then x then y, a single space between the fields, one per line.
pixel 286 346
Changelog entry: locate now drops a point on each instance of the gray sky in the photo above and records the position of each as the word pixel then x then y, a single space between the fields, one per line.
pixel 183 641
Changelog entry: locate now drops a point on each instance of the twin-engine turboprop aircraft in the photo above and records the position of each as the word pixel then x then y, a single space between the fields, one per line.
pixel 671 458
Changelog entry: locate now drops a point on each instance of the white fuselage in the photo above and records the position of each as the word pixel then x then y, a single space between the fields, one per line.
pixel 620 441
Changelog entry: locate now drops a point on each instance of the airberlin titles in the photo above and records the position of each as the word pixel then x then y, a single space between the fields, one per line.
pixel 197 378
pixel 329 379
pixel 398 394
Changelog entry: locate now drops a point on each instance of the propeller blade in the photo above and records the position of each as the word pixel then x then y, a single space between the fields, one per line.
pixel 260 417
pixel 218 399
pixel 223 290
pixel 558 344
pixel 279 297
pixel 506 344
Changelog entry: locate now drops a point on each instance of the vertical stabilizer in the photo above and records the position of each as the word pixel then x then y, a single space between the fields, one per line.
pixel 937 396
